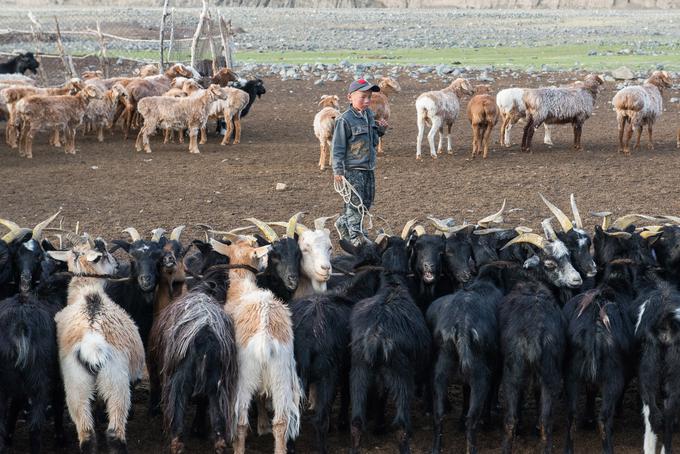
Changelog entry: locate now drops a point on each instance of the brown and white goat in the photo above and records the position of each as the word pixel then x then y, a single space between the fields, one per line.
pixel 324 125
pixel 380 104
pixel 100 350
pixel 482 113
pixel 58 113
pixel 560 105
pixel 440 109
pixel 176 113
pixel 639 106
pixel 264 338
pixel 229 106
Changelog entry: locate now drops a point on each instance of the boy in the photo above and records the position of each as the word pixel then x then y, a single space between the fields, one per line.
pixel 354 141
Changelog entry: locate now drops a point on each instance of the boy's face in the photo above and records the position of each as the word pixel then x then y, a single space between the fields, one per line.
pixel 360 100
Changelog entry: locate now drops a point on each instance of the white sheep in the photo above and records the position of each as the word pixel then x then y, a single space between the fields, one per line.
pixel 512 109
pixel 440 109
pixel 639 106
pixel 324 124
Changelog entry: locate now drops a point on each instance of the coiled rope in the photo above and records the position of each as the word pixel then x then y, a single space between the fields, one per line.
pixel 346 191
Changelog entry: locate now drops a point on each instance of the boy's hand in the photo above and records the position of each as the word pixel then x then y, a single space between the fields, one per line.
pixel 337 179
pixel 382 123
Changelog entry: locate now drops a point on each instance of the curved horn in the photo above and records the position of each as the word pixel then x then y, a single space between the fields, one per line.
pixel 320 223
pixel 292 224
pixel 624 221
pixel 134 234
pixel 14 234
pixel 157 234
pixel 233 237
pixel 380 238
pixel 574 210
pixel 522 229
pixel 299 228
pixel 674 219
pixel 206 229
pixel 548 230
pixel 74 238
pixel 650 233
pixel 407 228
pixel 496 218
pixel 531 238
pixel 606 218
pixel 488 231
pixel 38 229
pixel 420 230
pixel 219 247
pixel 625 235
pixel 442 225
pixel 562 218
pixel 177 233
pixel 267 231
pixel 9 224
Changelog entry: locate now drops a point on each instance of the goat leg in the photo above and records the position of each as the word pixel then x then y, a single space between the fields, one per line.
pixel 651 139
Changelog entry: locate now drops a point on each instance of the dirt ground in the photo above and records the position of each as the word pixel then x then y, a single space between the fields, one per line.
pixel 109 186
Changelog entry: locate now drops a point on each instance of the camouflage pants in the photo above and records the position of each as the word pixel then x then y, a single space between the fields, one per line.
pixel 349 223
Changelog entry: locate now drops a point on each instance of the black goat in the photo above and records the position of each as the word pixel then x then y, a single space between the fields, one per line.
pixel 193 355
pixel 657 332
pixel 205 257
pixel 29 364
pixel 533 332
pixel 426 253
pixel 390 345
pixel 20 64
pixel 600 346
pixel 465 336
pixel 255 89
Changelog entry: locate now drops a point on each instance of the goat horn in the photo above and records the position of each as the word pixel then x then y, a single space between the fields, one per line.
pixel 69 236
pixel 574 210
pixel 299 228
pixel 651 228
pixel 496 218
pixel 674 219
pixel 420 230
pixel 407 228
pixel 562 218
pixel 14 234
pixel 219 247
pixel 531 238
pixel 38 229
pixel 157 234
pixel 267 231
pixel 625 235
pixel 439 224
pixel 379 239
pixel 134 234
pixel 88 240
pixel 458 228
pixel 206 228
pixel 177 233
pixel 236 237
pixel 548 230
pixel 606 218
pixel 624 221
pixel 292 224
pixel 522 229
pixel 488 231
pixel 228 232
pixel 9 224
pixel 320 223
pixel 650 233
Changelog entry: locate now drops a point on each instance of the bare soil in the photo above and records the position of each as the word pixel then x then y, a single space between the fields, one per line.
pixel 108 186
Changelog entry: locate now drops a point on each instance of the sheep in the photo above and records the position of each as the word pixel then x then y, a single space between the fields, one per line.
pixel 483 115
pixel 193 355
pixel 100 111
pixel 100 351
pixel 511 109
pixel 380 104
pixel 440 109
pixel 231 106
pixel 264 336
pixel 147 71
pixel 558 105
pixel 390 345
pixel 640 106
pixel 324 124
pixel 176 113
pixel 181 88
pixel 140 88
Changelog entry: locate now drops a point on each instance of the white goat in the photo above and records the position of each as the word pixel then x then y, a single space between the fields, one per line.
pixel 440 109
pixel 512 109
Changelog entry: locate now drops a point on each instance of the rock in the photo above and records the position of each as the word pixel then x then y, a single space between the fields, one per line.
pixel 608 78
pixel 592 53
pixel 623 73
pixel 425 70
pixel 675 100
pixel 319 82
pixel 333 77
pixel 281 186
pixel 484 77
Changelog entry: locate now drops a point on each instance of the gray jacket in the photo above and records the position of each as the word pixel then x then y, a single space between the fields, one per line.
pixel 354 140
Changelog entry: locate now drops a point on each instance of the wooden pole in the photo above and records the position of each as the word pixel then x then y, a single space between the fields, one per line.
pixel 172 32
pixel 36 31
pixel 70 72
pixel 211 44
pixel 225 35
pixel 103 60
pixel 162 32
pixel 197 34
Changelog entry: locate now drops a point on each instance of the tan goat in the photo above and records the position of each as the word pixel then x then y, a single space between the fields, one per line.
pixel 61 113
pixel 380 104
pixel 229 106
pixel 483 115
pixel 324 124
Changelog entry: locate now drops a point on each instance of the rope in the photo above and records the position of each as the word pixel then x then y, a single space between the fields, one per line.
pixel 346 190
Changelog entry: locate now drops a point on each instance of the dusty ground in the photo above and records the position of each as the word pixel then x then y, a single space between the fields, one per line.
pixel 109 186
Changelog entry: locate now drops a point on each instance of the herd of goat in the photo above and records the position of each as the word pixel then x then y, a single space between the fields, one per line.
pixel 266 314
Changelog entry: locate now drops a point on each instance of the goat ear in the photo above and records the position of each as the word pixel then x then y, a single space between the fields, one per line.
pixel 100 245
pixel 532 262
pixel 61 256
pixel 93 256
pixel 203 247
pixel 348 247
pixel 47 246
pixel 261 241
pixel 124 245
pixel 261 252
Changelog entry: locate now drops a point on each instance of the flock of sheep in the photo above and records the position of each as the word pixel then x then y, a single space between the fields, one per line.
pixel 635 106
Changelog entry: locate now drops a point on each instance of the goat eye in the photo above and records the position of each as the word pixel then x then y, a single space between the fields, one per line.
pixel 550 264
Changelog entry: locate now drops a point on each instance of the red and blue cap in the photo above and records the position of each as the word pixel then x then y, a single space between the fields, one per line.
pixel 362 85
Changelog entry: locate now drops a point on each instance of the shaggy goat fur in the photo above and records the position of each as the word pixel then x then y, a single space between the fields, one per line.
pixel 324 124
pixel 380 104
pixel 511 109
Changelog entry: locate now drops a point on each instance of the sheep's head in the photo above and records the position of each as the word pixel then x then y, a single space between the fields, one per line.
pixel 330 101
pixel 258 87
pixel 462 86
pixel 243 250
pixel 74 85
pixel 224 76
pixel 91 92
pixel 389 85
pixel 147 70
pixel 593 82
pixel 179 69
pixel 661 79
pixel 86 256
pixel 96 74
pixel 483 89
pixel 190 86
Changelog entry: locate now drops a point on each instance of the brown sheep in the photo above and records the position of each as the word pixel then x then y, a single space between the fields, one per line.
pixel 230 107
pixel 324 124
pixel 379 102
pixel 483 115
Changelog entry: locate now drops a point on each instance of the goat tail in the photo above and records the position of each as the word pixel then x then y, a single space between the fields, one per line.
pixel 22 345
pixel 293 428
pixel 93 352
pixel 465 350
